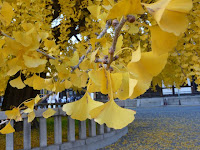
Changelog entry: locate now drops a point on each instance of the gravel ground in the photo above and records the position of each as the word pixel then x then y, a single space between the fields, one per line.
pixel 166 128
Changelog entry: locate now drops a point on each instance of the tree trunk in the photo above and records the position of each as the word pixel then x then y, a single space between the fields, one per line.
pixel 13 97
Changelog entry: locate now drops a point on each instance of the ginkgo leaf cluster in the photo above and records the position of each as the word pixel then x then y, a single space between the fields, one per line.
pixel 119 60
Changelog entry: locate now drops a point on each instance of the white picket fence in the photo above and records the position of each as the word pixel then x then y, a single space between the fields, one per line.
pixel 99 135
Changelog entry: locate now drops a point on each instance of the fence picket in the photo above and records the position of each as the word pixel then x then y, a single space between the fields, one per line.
pixel 10 139
pixel 100 129
pixel 57 129
pixel 82 130
pixel 92 127
pixel 43 132
pixel 70 129
pixel 27 134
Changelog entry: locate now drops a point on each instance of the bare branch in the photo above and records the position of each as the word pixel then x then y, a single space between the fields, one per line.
pixel 44 98
pixel 45 54
pixel 6 35
pixel 108 24
pixel 113 47
pixel 81 59
pixel 77 38
pixel 50 57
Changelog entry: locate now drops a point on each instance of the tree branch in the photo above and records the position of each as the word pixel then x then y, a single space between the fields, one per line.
pixel 44 98
pixel 108 24
pixel 6 35
pixel 50 57
pixel 45 54
pixel 113 47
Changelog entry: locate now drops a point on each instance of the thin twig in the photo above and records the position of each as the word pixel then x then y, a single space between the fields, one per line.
pixel 47 55
pixel 50 57
pixel 6 35
pixel 108 24
pixel 44 98
pixel 81 59
pixel 116 35
pixel 77 38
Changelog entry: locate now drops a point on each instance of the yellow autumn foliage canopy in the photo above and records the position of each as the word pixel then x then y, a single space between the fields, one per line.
pixel 114 47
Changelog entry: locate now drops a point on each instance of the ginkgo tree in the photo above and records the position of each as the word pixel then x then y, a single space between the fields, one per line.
pixel 120 46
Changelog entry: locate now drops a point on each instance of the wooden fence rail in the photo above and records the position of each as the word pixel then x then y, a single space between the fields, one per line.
pixel 97 133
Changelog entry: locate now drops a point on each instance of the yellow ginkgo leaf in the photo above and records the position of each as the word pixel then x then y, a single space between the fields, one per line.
pixel 7 129
pixel 74 60
pixel 17 83
pixel 92 87
pixel 68 84
pixel 127 87
pixel 162 42
pixel 93 55
pixel 31 62
pixel 171 15
pixel 80 109
pixel 31 116
pixel 48 113
pixel 75 80
pixel 97 76
pixel 85 65
pixel 123 92
pixel 59 87
pixel 119 44
pixel 136 56
pixel 37 99
pixel 6 13
pixel 29 81
pixel 148 66
pixel 132 84
pixel 2 58
pixel 14 70
pixel 14 114
pixel 125 7
pixel 84 79
pixel 152 63
pixel 43 35
pixel 38 83
pixel 133 29
pixel 30 105
pixel 38 69
pixel 22 38
pixel 2 42
pixel 140 88
pixel 101 41
pixel 112 115
pixel 94 10
pixel 116 81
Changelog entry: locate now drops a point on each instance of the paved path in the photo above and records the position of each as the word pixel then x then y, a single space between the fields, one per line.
pixel 166 128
